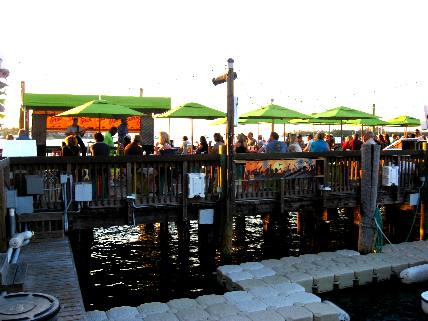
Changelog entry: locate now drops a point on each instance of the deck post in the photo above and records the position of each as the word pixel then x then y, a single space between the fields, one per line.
pixel 281 195
pixel 3 212
pixel 185 186
pixel 38 132
pixel 370 155
pixel 230 191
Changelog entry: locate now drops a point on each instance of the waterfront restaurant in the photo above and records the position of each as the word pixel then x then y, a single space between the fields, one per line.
pixel 44 107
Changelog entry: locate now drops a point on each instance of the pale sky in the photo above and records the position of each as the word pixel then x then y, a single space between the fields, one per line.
pixel 306 55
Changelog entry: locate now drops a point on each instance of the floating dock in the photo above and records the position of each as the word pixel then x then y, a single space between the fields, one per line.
pixel 325 271
pixel 283 289
pixel 51 270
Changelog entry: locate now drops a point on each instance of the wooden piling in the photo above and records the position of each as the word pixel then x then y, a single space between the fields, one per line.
pixel 226 243
pixel 370 155
pixel 3 213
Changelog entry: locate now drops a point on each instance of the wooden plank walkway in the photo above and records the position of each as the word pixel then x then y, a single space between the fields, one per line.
pixel 51 270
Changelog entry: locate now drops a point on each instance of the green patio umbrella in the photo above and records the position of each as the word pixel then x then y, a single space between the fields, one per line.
pixel 192 111
pixel 367 122
pixel 274 113
pixel 100 109
pixel 342 114
pixel 404 121
pixel 249 121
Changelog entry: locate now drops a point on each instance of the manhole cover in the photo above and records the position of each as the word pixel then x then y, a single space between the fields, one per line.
pixel 16 308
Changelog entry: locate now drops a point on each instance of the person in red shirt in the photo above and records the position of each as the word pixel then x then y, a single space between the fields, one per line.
pixel 345 144
pixel 355 143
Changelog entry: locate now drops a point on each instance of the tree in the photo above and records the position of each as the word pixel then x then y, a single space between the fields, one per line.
pixel 4 73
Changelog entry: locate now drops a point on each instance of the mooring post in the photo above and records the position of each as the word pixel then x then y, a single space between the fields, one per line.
pixel 185 187
pixel 370 156
pixel 3 213
pixel 230 207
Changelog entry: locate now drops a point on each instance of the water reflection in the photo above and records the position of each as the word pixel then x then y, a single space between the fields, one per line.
pixel 130 265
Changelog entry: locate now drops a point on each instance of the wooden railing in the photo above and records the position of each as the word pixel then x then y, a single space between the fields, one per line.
pixel 161 180
pixel 153 179
pixel 4 180
pixel 341 172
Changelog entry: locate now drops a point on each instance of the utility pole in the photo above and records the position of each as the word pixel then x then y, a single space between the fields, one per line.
pixel 226 239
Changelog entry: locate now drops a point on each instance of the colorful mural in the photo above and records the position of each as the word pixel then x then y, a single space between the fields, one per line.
pixel 287 168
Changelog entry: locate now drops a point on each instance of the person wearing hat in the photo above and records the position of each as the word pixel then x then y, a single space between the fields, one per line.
pixel 78 131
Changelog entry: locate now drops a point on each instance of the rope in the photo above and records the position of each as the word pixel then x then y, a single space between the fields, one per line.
pixel 415 215
pixel 379 235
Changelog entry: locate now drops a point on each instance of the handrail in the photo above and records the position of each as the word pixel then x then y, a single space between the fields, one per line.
pixel 110 159
pixel 357 153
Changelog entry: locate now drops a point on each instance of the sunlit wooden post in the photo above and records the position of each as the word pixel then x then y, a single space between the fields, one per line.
pixel 370 155
pixel 226 240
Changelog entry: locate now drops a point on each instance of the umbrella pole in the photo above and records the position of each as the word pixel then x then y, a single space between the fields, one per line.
pixel 99 124
pixel 341 131
pixel 169 128
pixel 258 130
pixel 284 132
pixel 273 125
pixel 362 130
pixel 191 130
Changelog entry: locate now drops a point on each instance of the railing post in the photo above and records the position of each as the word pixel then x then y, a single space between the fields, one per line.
pixel 370 155
pixel 185 187
pixel 128 178
pixel 281 195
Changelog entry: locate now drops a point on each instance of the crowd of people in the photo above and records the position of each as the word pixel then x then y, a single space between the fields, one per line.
pixel 320 142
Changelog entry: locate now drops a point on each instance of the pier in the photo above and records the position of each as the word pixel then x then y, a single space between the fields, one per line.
pixel 159 189
pixel 159 185
pixel 51 270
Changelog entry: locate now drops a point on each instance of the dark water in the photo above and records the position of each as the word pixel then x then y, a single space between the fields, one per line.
pixel 130 265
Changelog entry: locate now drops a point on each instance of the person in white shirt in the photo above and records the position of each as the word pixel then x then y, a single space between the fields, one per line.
pixel 185 145
pixel 369 138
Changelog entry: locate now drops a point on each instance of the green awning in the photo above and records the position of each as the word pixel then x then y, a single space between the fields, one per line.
pixel 66 101
pixel 193 111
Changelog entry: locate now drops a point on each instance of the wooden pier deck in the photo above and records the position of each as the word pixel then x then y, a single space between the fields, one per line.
pixel 51 270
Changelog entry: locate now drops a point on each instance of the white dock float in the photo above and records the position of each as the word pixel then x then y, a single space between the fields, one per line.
pixel 280 289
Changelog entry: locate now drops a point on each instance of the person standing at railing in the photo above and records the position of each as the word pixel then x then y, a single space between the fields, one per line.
pixel 79 132
pixel 122 131
pixel 108 139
